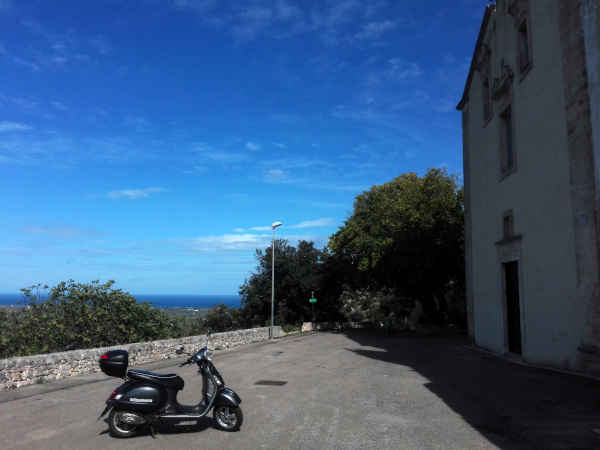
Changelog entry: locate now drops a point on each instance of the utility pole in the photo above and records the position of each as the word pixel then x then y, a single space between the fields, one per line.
pixel 273 226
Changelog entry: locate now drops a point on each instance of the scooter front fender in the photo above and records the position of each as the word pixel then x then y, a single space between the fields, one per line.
pixel 108 408
pixel 227 397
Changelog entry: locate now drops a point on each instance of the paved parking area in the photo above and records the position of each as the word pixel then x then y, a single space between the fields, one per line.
pixel 341 391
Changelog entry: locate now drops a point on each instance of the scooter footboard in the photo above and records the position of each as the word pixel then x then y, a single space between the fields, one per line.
pixel 227 397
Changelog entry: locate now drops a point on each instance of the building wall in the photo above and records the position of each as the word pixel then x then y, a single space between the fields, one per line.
pixel 538 193
pixel 468 220
pixel 580 50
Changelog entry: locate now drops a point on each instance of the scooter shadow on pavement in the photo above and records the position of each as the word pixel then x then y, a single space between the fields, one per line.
pixel 165 428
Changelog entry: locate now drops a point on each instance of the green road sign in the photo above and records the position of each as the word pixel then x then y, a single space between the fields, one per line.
pixel 313 300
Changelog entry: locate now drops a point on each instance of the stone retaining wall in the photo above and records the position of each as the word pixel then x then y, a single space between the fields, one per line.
pixel 21 371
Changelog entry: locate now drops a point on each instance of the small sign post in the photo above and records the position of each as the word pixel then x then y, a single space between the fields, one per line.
pixel 312 300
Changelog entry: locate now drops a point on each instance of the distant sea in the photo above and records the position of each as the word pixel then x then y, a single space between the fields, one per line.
pixel 158 300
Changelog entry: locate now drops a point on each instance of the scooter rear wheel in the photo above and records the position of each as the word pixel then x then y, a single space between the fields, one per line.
pixel 228 418
pixel 119 428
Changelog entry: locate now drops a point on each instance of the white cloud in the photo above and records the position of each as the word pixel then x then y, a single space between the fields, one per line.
pixel 134 194
pixel 328 205
pixel 200 6
pixel 279 145
pixel 445 105
pixel 373 7
pixel 6 127
pixel 338 187
pixel 374 30
pixel 292 163
pixel 341 12
pixel 285 118
pixel 101 44
pixel 196 169
pixel 58 105
pixel 5 5
pixel 252 146
pixel 275 176
pixel 400 69
pixel 251 21
pixel 287 11
pixel 208 152
pixel 63 231
pixel 256 13
pixel 239 230
pixel 137 123
pixel 265 228
pixel 238 196
pixel 334 22
pixel 246 241
pixel 30 65
pixel 325 222
pixel 226 157
pixel 24 104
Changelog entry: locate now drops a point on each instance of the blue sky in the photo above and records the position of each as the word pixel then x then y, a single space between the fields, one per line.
pixel 153 142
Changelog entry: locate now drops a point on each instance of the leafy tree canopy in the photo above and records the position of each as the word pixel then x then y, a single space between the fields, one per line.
pixel 406 234
pixel 80 315
pixel 298 273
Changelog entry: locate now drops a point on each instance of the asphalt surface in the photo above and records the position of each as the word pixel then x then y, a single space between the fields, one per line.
pixel 341 391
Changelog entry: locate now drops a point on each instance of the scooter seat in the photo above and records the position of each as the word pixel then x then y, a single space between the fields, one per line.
pixel 169 380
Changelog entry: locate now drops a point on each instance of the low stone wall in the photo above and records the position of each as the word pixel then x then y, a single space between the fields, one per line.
pixel 25 370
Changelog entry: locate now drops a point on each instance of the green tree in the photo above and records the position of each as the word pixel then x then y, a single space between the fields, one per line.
pixel 221 318
pixel 81 315
pixel 298 273
pixel 5 332
pixel 407 235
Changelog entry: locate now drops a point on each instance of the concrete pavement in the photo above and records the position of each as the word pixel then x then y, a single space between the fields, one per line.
pixel 341 391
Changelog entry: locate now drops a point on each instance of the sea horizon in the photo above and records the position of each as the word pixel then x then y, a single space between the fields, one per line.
pixel 157 300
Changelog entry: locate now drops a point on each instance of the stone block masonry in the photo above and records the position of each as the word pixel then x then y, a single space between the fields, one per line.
pixel 26 370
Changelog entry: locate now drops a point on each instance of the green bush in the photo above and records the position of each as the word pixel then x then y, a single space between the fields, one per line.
pixel 290 328
pixel 78 315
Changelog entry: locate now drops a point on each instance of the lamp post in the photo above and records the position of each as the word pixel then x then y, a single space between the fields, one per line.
pixel 273 226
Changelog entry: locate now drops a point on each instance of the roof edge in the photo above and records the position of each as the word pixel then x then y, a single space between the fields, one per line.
pixel 484 23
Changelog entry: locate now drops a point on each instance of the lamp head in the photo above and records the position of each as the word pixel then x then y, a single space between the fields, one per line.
pixel 275 225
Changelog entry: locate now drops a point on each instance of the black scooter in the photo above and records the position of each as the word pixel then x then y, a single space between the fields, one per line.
pixel 147 398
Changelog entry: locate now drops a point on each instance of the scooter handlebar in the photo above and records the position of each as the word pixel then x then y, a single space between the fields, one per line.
pixel 189 361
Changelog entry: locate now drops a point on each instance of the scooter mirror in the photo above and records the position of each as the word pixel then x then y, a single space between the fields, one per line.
pixel 179 351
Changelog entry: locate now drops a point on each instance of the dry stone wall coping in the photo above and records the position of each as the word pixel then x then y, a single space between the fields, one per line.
pixel 25 370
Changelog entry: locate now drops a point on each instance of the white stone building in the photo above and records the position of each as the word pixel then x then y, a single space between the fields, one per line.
pixel 531 149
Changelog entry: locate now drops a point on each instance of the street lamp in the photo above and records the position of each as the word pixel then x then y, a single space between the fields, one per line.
pixel 273 226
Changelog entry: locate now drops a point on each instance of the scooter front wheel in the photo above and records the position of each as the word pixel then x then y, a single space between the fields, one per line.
pixel 228 418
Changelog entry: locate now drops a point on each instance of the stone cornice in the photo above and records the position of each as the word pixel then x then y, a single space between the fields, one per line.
pixel 482 60
pixel 503 83
pixel 518 9
pixel 486 17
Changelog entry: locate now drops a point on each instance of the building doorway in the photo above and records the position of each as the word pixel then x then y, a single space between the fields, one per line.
pixel 513 310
